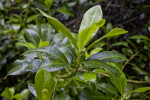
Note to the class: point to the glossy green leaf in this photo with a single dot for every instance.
(114, 32)
(119, 82)
(109, 56)
(89, 77)
(32, 89)
(28, 45)
(44, 80)
(142, 89)
(90, 94)
(53, 66)
(49, 51)
(107, 88)
(101, 64)
(59, 27)
(31, 36)
(85, 34)
(19, 67)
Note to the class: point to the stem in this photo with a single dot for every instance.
(130, 59)
(55, 89)
(103, 74)
(75, 71)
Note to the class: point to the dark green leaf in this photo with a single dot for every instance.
(109, 56)
(59, 27)
(32, 89)
(101, 64)
(143, 89)
(89, 94)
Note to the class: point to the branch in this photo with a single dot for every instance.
(103, 74)
(130, 59)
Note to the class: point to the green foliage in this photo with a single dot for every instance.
(44, 84)
(9, 93)
(69, 65)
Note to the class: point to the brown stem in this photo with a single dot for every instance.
(130, 59)
(128, 80)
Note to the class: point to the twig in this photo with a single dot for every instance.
(108, 5)
(132, 19)
(128, 80)
(55, 88)
(130, 59)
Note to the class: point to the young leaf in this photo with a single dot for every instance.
(109, 56)
(59, 27)
(28, 45)
(85, 34)
(114, 32)
(92, 16)
(44, 80)
(45, 94)
(96, 50)
(6, 93)
(89, 77)
(143, 89)
(43, 44)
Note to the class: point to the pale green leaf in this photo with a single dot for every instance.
(93, 15)
(89, 77)
(85, 34)
(109, 56)
(96, 50)
(43, 44)
(28, 45)
(44, 80)
(114, 32)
